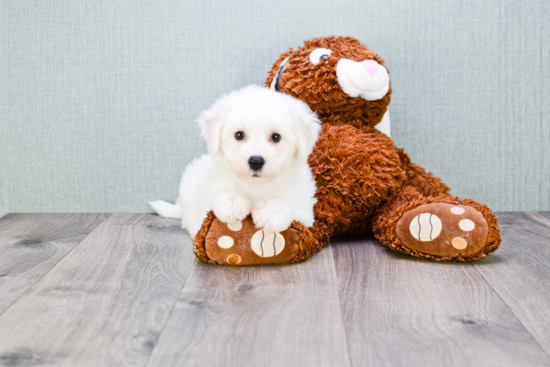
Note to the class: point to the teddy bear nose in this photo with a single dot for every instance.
(256, 163)
(370, 66)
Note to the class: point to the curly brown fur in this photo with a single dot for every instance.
(356, 170)
(200, 238)
(424, 182)
(308, 244)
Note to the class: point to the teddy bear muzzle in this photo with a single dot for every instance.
(366, 79)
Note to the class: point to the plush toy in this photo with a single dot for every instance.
(364, 182)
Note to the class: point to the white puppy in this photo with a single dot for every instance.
(259, 141)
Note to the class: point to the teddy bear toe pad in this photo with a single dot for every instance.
(442, 229)
(241, 243)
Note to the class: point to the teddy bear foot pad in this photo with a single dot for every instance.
(443, 230)
(241, 243)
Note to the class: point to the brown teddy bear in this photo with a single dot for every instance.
(364, 182)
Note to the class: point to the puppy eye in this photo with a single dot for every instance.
(319, 54)
(275, 138)
(239, 135)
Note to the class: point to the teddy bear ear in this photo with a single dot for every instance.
(211, 125)
(276, 82)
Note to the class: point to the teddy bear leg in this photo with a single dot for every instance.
(441, 227)
(241, 243)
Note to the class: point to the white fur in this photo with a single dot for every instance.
(223, 182)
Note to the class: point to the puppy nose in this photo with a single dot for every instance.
(256, 163)
(370, 66)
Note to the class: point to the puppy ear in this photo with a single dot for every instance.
(308, 126)
(211, 125)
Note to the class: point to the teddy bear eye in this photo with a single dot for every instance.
(275, 138)
(239, 135)
(319, 53)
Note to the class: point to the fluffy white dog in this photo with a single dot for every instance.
(259, 141)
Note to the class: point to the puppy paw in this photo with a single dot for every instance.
(232, 208)
(272, 219)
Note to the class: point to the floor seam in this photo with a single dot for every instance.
(511, 310)
(340, 304)
(61, 259)
(170, 314)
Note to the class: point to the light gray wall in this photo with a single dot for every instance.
(98, 98)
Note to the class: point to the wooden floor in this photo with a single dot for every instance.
(126, 289)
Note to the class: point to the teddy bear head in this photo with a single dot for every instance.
(338, 77)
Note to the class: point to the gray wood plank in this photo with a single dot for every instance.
(520, 270)
(106, 302)
(402, 311)
(285, 315)
(32, 244)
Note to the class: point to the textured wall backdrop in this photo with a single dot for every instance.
(98, 98)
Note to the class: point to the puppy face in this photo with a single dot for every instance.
(259, 133)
